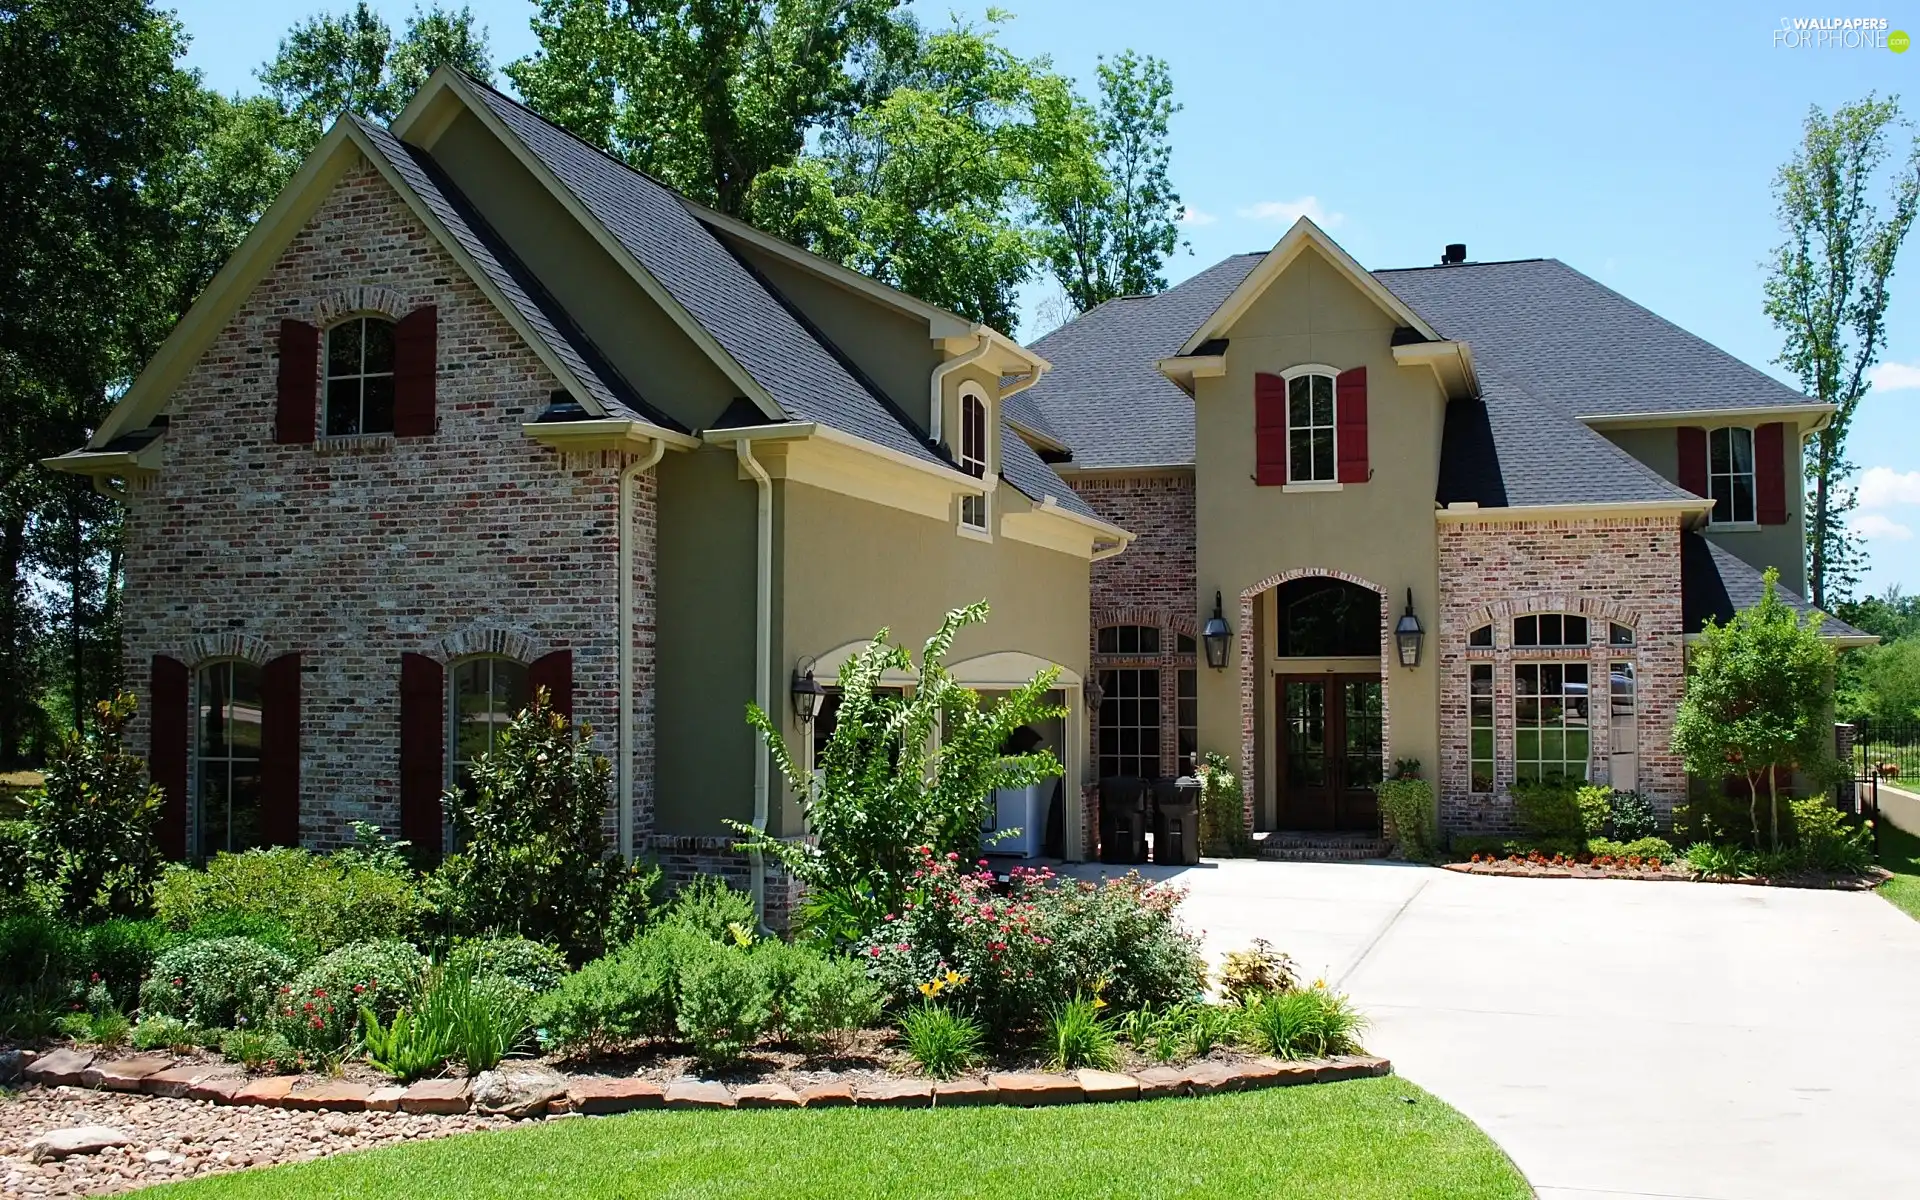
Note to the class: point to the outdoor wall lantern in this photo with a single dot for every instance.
(1407, 634)
(1217, 635)
(808, 695)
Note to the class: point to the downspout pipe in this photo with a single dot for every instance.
(629, 481)
(937, 387)
(762, 660)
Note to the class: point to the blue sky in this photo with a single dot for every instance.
(1636, 142)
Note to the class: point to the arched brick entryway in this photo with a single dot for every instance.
(1250, 670)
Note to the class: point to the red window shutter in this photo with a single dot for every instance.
(1770, 473)
(554, 672)
(1270, 430)
(415, 372)
(280, 751)
(422, 750)
(1350, 424)
(1693, 459)
(294, 414)
(167, 750)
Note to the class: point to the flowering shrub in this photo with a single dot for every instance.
(377, 975)
(318, 1024)
(215, 983)
(1020, 954)
(535, 967)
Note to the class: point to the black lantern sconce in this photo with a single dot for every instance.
(808, 695)
(1218, 635)
(1407, 635)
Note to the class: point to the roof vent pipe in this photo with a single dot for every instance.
(1454, 254)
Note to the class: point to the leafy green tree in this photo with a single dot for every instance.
(705, 95)
(1106, 212)
(328, 65)
(1828, 294)
(885, 788)
(1759, 694)
(91, 829)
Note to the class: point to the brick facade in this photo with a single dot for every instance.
(354, 551)
(1613, 570)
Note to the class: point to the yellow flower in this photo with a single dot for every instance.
(1099, 1003)
(926, 989)
(1320, 983)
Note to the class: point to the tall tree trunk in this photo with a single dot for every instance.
(1773, 803)
(15, 695)
(76, 589)
(1823, 475)
(1753, 806)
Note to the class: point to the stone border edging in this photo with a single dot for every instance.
(161, 1075)
(1873, 878)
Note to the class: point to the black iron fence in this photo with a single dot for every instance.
(1888, 751)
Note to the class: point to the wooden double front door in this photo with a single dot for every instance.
(1329, 747)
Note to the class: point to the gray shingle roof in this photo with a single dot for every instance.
(1715, 582)
(1565, 337)
(1104, 398)
(1510, 448)
(749, 320)
(1021, 466)
(549, 322)
(1021, 410)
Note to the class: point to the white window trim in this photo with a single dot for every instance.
(1753, 451)
(984, 531)
(1312, 485)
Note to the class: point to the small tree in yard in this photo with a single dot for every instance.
(534, 858)
(886, 788)
(90, 830)
(1759, 691)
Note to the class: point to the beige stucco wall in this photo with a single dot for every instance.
(1381, 532)
(622, 320)
(848, 568)
(1782, 546)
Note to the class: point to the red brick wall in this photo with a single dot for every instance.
(357, 550)
(1608, 569)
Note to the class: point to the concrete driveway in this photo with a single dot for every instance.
(1620, 1038)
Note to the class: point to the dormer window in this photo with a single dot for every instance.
(973, 456)
(1730, 475)
(360, 388)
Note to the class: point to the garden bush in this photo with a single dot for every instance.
(1037, 946)
(1549, 811)
(323, 903)
(120, 953)
(943, 1042)
(21, 891)
(1633, 817)
(534, 967)
(629, 994)
(1824, 840)
(91, 828)
(165, 1033)
(260, 1050)
(405, 1047)
(1255, 971)
(723, 1002)
(1407, 805)
(710, 908)
(35, 948)
(534, 858)
(379, 975)
(829, 1000)
(1595, 802)
(260, 928)
(1223, 815)
(485, 1015)
(106, 1027)
(1305, 1023)
(217, 982)
(1642, 848)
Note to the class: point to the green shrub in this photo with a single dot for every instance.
(91, 829)
(165, 1033)
(708, 906)
(1709, 861)
(263, 929)
(723, 1002)
(943, 1042)
(260, 1050)
(829, 1000)
(484, 1016)
(36, 948)
(1223, 814)
(1078, 1037)
(1306, 1023)
(1549, 810)
(377, 975)
(22, 893)
(635, 902)
(1595, 802)
(324, 903)
(532, 966)
(217, 982)
(406, 1047)
(121, 953)
(630, 994)
(373, 849)
(1407, 805)
(1826, 841)
(32, 1011)
(778, 966)
(534, 858)
(105, 1028)
(1245, 974)
(1633, 817)
(1646, 847)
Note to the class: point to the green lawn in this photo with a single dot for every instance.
(1900, 853)
(1352, 1140)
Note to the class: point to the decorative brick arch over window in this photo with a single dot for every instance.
(1500, 613)
(488, 640)
(368, 300)
(210, 646)
(1249, 669)
(1175, 680)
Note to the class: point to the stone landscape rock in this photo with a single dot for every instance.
(766, 1095)
(439, 1096)
(1205, 1078)
(954, 1093)
(895, 1093)
(698, 1093)
(1031, 1090)
(337, 1095)
(65, 1143)
(1107, 1085)
(124, 1074)
(1158, 1082)
(13, 1063)
(517, 1089)
(385, 1099)
(593, 1096)
(835, 1093)
(59, 1067)
(270, 1089)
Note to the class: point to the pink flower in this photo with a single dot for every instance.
(873, 951)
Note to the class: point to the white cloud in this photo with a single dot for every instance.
(1286, 212)
(1875, 525)
(1194, 216)
(1895, 377)
(1884, 487)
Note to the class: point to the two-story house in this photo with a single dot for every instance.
(1467, 514)
(477, 409)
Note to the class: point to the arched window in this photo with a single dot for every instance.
(360, 377)
(1481, 637)
(227, 757)
(1549, 631)
(1328, 618)
(973, 456)
(1129, 640)
(488, 692)
(1310, 429)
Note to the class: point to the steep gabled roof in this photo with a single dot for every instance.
(1021, 466)
(751, 323)
(1567, 338)
(1105, 398)
(1716, 583)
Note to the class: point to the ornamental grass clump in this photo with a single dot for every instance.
(1078, 1036)
(943, 1042)
(1305, 1023)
